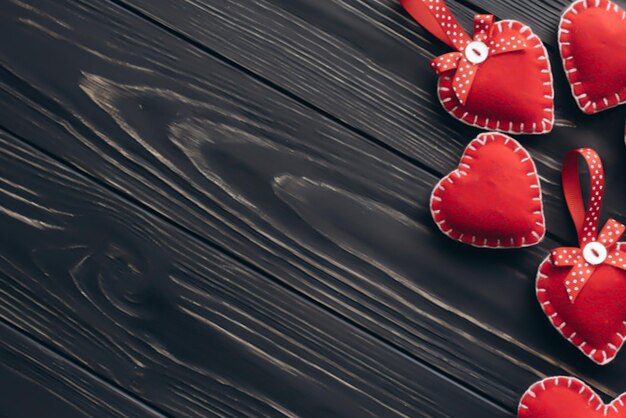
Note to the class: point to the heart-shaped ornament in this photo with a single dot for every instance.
(582, 289)
(493, 198)
(595, 322)
(498, 80)
(591, 40)
(567, 397)
(511, 92)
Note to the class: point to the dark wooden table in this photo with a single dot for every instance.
(220, 208)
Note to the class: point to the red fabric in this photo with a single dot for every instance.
(594, 322)
(585, 220)
(591, 39)
(567, 397)
(581, 271)
(493, 199)
(430, 14)
(583, 300)
(510, 91)
(492, 43)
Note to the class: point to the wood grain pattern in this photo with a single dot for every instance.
(311, 165)
(178, 324)
(132, 123)
(36, 382)
(542, 15)
(351, 51)
(365, 62)
(288, 192)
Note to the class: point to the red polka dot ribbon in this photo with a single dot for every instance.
(595, 249)
(435, 17)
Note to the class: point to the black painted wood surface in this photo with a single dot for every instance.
(219, 208)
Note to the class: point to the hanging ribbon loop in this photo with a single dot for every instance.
(585, 220)
(436, 18)
(594, 249)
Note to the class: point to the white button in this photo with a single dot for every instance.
(594, 253)
(476, 52)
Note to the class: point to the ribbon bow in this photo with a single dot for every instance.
(435, 16)
(595, 250)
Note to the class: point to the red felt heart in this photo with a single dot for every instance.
(511, 92)
(591, 40)
(493, 199)
(595, 323)
(567, 397)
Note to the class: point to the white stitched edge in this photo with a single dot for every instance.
(481, 140)
(534, 130)
(538, 387)
(555, 316)
(564, 27)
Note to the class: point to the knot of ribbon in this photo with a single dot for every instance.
(594, 249)
(435, 17)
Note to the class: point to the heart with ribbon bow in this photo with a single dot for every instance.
(500, 80)
(567, 397)
(582, 289)
(591, 41)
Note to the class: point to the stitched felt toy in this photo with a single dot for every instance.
(498, 80)
(591, 40)
(493, 198)
(583, 289)
(567, 397)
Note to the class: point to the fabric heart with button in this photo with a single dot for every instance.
(582, 289)
(591, 41)
(499, 80)
(567, 397)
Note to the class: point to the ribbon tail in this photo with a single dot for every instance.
(578, 277)
(446, 62)
(616, 259)
(503, 44)
(437, 19)
(564, 256)
(463, 80)
(611, 233)
(483, 26)
(579, 273)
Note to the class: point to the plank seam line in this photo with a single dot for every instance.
(100, 379)
(475, 8)
(268, 83)
(481, 10)
(242, 261)
(281, 90)
(263, 274)
(262, 80)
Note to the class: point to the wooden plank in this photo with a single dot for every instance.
(291, 193)
(541, 15)
(178, 324)
(365, 63)
(36, 382)
(353, 52)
